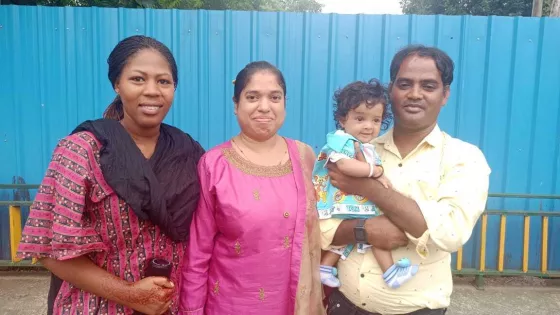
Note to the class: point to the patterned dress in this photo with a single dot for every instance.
(333, 202)
(77, 213)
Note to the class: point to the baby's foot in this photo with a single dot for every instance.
(328, 276)
(396, 276)
(403, 263)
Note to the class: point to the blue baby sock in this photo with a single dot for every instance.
(399, 273)
(328, 276)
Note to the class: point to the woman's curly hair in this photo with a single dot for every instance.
(358, 92)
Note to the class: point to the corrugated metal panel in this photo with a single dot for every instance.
(505, 98)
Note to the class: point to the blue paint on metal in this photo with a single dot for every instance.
(505, 96)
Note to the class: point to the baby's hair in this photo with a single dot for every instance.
(352, 95)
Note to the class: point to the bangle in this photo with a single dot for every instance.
(371, 170)
(382, 171)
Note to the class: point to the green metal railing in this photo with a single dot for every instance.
(504, 214)
(14, 209)
(16, 227)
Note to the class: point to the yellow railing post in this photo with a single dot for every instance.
(460, 259)
(15, 230)
(527, 221)
(501, 249)
(544, 248)
(483, 228)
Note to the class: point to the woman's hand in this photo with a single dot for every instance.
(151, 295)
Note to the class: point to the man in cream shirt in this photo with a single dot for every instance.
(440, 188)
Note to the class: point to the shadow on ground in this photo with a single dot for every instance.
(25, 293)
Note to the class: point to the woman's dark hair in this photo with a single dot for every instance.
(356, 93)
(119, 57)
(244, 76)
(444, 63)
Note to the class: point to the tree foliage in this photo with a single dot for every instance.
(555, 8)
(473, 7)
(265, 5)
(244, 5)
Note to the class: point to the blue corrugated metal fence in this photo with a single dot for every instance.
(505, 98)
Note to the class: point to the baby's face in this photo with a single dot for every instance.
(364, 122)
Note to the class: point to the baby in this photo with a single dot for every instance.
(360, 110)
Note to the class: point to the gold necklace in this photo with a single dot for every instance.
(245, 156)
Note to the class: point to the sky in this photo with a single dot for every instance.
(361, 6)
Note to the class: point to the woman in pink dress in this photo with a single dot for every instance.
(254, 242)
(118, 193)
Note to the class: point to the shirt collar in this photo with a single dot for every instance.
(434, 138)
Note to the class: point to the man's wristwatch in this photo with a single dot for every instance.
(360, 232)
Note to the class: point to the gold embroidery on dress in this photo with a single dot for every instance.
(261, 294)
(237, 247)
(286, 242)
(216, 288)
(253, 169)
(302, 289)
(256, 194)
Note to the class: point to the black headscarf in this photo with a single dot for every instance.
(164, 188)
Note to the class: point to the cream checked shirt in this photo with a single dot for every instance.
(449, 179)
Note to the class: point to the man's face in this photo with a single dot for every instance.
(417, 94)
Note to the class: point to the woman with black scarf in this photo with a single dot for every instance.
(119, 192)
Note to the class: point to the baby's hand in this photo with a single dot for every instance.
(385, 182)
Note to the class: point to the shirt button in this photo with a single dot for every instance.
(400, 164)
(286, 214)
(362, 275)
(363, 304)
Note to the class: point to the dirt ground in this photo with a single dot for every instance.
(25, 293)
